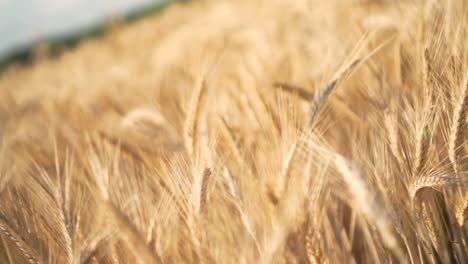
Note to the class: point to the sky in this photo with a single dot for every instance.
(26, 21)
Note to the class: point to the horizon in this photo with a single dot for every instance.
(24, 23)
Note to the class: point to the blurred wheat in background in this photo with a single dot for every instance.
(244, 131)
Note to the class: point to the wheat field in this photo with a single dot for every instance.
(248, 131)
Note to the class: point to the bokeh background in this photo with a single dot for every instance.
(24, 23)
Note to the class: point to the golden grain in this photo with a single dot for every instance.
(125, 149)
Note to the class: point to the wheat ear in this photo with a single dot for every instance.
(392, 132)
(430, 182)
(281, 183)
(19, 242)
(322, 95)
(316, 105)
(426, 64)
(312, 252)
(204, 190)
(430, 224)
(367, 203)
(462, 210)
(458, 124)
(422, 148)
(301, 92)
(133, 237)
(191, 122)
